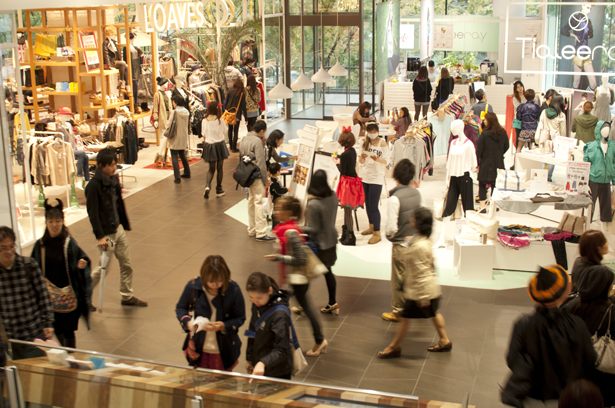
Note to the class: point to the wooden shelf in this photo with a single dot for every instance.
(97, 72)
(58, 93)
(99, 107)
(41, 28)
(51, 64)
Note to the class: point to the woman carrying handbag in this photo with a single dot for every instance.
(234, 108)
(252, 100)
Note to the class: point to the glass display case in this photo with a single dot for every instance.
(91, 379)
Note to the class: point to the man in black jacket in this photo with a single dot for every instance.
(548, 349)
(109, 222)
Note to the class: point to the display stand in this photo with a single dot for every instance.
(473, 260)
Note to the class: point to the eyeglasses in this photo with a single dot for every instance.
(10, 248)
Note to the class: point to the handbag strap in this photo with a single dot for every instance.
(608, 329)
(239, 102)
(252, 334)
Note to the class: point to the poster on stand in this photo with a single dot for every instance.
(387, 39)
(87, 39)
(577, 177)
(444, 36)
(302, 171)
(539, 181)
(324, 161)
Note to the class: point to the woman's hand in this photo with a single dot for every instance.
(425, 303)
(293, 157)
(249, 367)
(259, 369)
(214, 326)
(82, 264)
(271, 257)
(190, 326)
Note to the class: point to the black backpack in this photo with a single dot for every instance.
(245, 173)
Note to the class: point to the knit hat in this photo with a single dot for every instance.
(595, 283)
(161, 81)
(548, 285)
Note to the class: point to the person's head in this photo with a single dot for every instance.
(364, 108)
(432, 66)
(7, 246)
(492, 122)
(213, 109)
(587, 107)
(550, 286)
(238, 86)
(423, 73)
(106, 160)
(319, 186)
(132, 35)
(422, 221)
(260, 287)
(110, 31)
(372, 132)
(249, 61)
(584, 96)
(180, 79)
(549, 95)
(581, 394)
(403, 172)
(518, 90)
(230, 63)
(529, 95)
(595, 283)
(260, 128)
(444, 74)
(593, 245)
(251, 83)
(404, 113)
(346, 139)
(557, 103)
(215, 274)
(275, 169)
(54, 219)
(177, 100)
(287, 208)
(194, 68)
(586, 8)
(275, 139)
(481, 95)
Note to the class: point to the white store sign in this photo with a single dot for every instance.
(406, 34)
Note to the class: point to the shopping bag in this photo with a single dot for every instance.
(572, 223)
(510, 180)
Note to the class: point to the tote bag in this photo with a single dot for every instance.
(605, 347)
(511, 180)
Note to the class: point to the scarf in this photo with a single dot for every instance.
(280, 232)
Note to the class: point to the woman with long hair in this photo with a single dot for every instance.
(492, 144)
(253, 98)
(422, 93)
(320, 215)
(236, 99)
(274, 141)
(218, 312)
(518, 99)
(445, 86)
(375, 155)
(593, 245)
(402, 123)
(64, 265)
(361, 116)
(214, 147)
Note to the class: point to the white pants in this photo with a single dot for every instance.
(257, 224)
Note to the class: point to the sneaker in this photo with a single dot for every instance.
(134, 301)
(219, 192)
(265, 238)
(390, 317)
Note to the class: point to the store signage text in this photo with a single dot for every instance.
(568, 51)
(183, 14)
(471, 34)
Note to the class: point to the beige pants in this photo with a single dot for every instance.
(399, 266)
(122, 253)
(257, 224)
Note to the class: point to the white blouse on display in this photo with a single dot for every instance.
(461, 158)
(213, 130)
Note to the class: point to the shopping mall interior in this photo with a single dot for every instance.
(70, 85)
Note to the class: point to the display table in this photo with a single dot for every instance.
(534, 160)
(473, 260)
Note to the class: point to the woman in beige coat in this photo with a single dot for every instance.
(421, 288)
(160, 113)
(178, 137)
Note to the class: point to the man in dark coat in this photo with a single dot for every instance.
(548, 349)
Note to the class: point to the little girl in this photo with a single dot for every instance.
(349, 190)
(269, 351)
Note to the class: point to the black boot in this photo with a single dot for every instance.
(350, 239)
(344, 233)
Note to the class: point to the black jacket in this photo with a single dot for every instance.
(276, 190)
(490, 154)
(548, 350)
(422, 90)
(233, 100)
(445, 88)
(348, 163)
(99, 201)
(271, 345)
(230, 310)
(110, 52)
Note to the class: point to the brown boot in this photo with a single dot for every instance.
(368, 231)
(375, 238)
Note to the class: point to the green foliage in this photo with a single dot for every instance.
(455, 7)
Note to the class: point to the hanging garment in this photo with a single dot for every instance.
(603, 101)
(60, 163)
(413, 150)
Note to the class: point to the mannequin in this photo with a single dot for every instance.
(160, 112)
(111, 55)
(601, 154)
(604, 98)
(180, 82)
(461, 161)
(135, 63)
(64, 126)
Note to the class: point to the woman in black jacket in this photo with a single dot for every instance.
(593, 245)
(591, 305)
(421, 87)
(236, 102)
(492, 144)
(445, 86)
(212, 341)
(64, 265)
(269, 351)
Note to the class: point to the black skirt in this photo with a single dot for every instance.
(215, 151)
(413, 309)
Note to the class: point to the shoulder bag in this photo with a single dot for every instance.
(230, 115)
(572, 223)
(604, 346)
(299, 361)
(171, 130)
(63, 300)
(193, 356)
(313, 267)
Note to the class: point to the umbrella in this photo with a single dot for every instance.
(104, 261)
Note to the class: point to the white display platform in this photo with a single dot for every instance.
(473, 260)
(528, 258)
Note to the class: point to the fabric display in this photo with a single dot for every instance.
(52, 162)
(249, 49)
(45, 45)
(456, 107)
(167, 67)
(572, 223)
(417, 146)
(601, 192)
(512, 240)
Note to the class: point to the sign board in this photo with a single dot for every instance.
(324, 161)
(444, 37)
(406, 36)
(387, 39)
(302, 171)
(427, 27)
(539, 181)
(88, 40)
(563, 145)
(469, 35)
(577, 177)
(185, 14)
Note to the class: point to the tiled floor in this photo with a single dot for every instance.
(174, 229)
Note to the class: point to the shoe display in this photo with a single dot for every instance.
(331, 309)
(134, 301)
(390, 317)
(317, 349)
(394, 353)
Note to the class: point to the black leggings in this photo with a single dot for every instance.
(417, 113)
(233, 135)
(300, 292)
(213, 166)
(482, 189)
(348, 218)
(331, 286)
